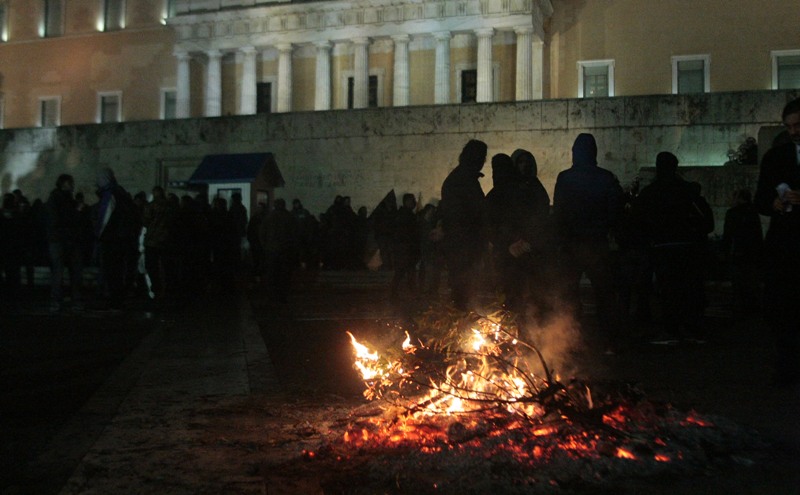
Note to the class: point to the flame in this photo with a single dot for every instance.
(625, 454)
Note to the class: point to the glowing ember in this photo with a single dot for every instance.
(467, 394)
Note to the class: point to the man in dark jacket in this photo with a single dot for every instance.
(587, 206)
(463, 222)
(159, 218)
(278, 235)
(117, 230)
(778, 197)
(406, 245)
(676, 220)
(64, 236)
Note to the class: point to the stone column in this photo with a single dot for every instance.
(182, 92)
(360, 72)
(322, 86)
(441, 93)
(524, 82)
(247, 95)
(537, 92)
(400, 90)
(284, 77)
(485, 90)
(214, 84)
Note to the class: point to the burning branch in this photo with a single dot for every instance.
(465, 364)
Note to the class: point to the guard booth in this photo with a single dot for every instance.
(254, 175)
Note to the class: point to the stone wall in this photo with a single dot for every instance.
(367, 153)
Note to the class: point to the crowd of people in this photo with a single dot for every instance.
(636, 247)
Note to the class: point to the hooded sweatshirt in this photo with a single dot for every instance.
(587, 201)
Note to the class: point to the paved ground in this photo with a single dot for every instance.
(204, 399)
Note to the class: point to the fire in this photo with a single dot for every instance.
(485, 367)
(478, 388)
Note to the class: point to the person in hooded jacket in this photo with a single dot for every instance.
(464, 222)
(587, 206)
(540, 270)
(510, 210)
(676, 220)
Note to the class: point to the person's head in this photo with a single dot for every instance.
(409, 201)
(666, 165)
(742, 197)
(158, 193)
(791, 119)
(525, 163)
(105, 178)
(503, 169)
(236, 198)
(279, 204)
(65, 182)
(296, 204)
(473, 155)
(584, 151)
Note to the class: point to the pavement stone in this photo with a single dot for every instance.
(202, 404)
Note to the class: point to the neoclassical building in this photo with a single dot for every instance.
(67, 62)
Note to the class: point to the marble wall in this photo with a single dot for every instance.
(367, 153)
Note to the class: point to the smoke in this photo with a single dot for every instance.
(558, 339)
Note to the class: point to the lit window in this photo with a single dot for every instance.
(49, 111)
(109, 107)
(169, 104)
(53, 18)
(690, 74)
(595, 78)
(786, 69)
(114, 15)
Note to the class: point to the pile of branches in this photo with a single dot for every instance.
(479, 360)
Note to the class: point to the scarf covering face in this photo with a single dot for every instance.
(584, 151)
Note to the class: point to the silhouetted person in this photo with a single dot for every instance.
(743, 245)
(677, 220)
(63, 236)
(256, 249)
(464, 223)
(587, 204)
(238, 216)
(778, 196)
(224, 242)
(279, 238)
(116, 230)
(634, 269)
(159, 218)
(432, 259)
(11, 244)
(406, 246)
(540, 267)
(307, 236)
(510, 210)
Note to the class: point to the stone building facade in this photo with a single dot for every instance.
(360, 97)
